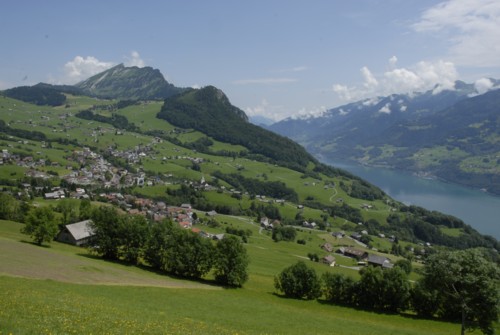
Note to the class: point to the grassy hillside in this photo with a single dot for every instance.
(62, 289)
(45, 290)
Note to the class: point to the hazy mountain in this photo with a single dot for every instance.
(135, 83)
(450, 134)
(260, 120)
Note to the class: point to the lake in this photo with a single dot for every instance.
(476, 208)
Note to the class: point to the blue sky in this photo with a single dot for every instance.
(272, 58)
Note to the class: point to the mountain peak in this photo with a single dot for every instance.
(122, 82)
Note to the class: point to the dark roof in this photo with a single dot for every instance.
(379, 260)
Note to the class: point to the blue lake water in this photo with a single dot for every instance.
(476, 208)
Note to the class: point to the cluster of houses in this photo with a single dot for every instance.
(362, 257)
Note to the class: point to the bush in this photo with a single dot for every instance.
(298, 281)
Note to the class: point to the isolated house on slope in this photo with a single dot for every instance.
(79, 233)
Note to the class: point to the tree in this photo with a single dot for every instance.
(298, 281)
(384, 290)
(466, 288)
(231, 262)
(133, 237)
(184, 253)
(68, 210)
(284, 234)
(8, 206)
(404, 264)
(338, 288)
(41, 225)
(85, 209)
(107, 226)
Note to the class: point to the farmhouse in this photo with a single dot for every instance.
(80, 233)
(327, 247)
(376, 260)
(353, 253)
(328, 260)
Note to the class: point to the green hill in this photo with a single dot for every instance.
(209, 111)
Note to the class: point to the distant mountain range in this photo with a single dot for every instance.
(451, 134)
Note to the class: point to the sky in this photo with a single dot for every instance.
(273, 58)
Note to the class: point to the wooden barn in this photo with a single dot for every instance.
(79, 233)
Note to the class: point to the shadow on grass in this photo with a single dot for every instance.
(46, 246)
(147, 268)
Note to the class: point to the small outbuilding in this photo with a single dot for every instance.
(79, 233)
(328, 260)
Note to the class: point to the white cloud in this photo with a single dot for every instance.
(81, 68)
(135, 60)
(342, 112)
(264, 108)
(196, 86)
(293, 69)
(386, 109)
(403, 108)
(483, 85)
(310, 113)
(370, 81)
(423, 76)
(471, 26)
(265, 81)
(392, 62)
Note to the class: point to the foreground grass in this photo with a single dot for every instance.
(43, 307)
(60, 290)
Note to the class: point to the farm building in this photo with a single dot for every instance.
(328, 260)
(79, 233)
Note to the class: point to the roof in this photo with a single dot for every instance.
(379, 260)
(329, 259)
(352, 251)
(80, 230)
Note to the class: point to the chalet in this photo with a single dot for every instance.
(54, 195)
(328, 260)
(381, 261)
(211, 213)
(79, 233)
(353, 253)
(276, 223)
(264, 223)
(327, 247)
(338, 234)
(356, 236)
(218, 237)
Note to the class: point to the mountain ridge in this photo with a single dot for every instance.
(407, 132)
(121, 82)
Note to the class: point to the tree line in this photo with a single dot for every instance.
(460, 286)
(168, 248)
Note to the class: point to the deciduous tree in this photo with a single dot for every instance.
(231, 262)
(298, 281)
(41, 225)
(466, 288)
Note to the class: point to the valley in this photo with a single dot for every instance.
(194, 164)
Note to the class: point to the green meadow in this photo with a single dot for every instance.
(64, 290)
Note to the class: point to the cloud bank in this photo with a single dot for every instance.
(135, 60)
(471, 26)
(439, 75)
(81, 68)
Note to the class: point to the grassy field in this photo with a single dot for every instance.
(62, 290)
